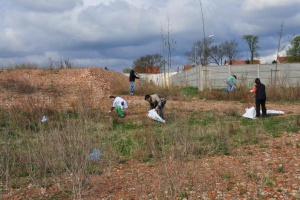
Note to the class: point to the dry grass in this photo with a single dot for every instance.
(55, 154)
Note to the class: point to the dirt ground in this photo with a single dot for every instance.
(196, 178)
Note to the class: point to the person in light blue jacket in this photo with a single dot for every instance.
(231, 83)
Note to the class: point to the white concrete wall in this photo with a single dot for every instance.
(215, 76)
(157, 79)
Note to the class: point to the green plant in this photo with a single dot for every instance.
(230, 185)
(225, 176)
(184, 195)
(267, 181)
(280, 169)
(190, 91)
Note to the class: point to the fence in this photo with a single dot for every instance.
(157, 79)
(214, 77)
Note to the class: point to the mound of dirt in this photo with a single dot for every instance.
(59, 89)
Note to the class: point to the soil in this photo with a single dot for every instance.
(251, 172)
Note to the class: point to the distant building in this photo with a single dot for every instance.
(242, 62)
(187, 67)
(152, 70)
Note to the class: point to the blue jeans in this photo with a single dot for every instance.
(230, 86)
(132, 87)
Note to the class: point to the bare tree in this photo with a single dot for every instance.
(163, 67)
(217, 53)
(230, 50)
(196, 54)
(205, 53)
(169, 43)
(68, 64)
(280, 47)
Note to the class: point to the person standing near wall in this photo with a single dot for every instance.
(260, 97)
(132, 77)
(156, 102)
(119, 104)
(231, 83)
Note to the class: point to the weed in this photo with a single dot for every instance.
(267, 181)
(184, 195)
(124, 146)
(225, 176)
(230, 185)
(278, 147)
(23, 174)
(263, 146)
(242, 191)
(93, 168)
(280, 169)
(190, 91)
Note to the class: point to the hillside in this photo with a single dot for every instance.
(59, 89)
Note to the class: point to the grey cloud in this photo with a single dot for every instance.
(46, 5)
(117, 32)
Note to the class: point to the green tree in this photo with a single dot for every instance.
(126, 70)
(294, 49)
(253, 44)
(141, 63)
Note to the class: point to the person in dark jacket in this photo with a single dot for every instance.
(260, 97)
(132, 77)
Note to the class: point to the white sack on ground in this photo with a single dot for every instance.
(251, 113)
(276, 112)
(153, 115)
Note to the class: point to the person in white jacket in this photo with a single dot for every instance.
(119, 104)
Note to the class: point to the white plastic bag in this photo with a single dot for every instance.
(278, 112)
(250, 113)
(45, 118)
(153, 115)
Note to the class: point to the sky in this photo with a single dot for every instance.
(114, 33)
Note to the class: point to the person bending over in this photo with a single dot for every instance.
(119, 104)
(231, 83)
(156, 102)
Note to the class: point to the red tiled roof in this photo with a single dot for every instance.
(241, 62)
(152, 70)
(187, 67)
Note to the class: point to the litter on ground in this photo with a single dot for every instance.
(95, 155)
(251, 113)
(45, 118)
(153, 115)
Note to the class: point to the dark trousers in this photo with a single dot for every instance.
(160, 108)
(260, 103)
